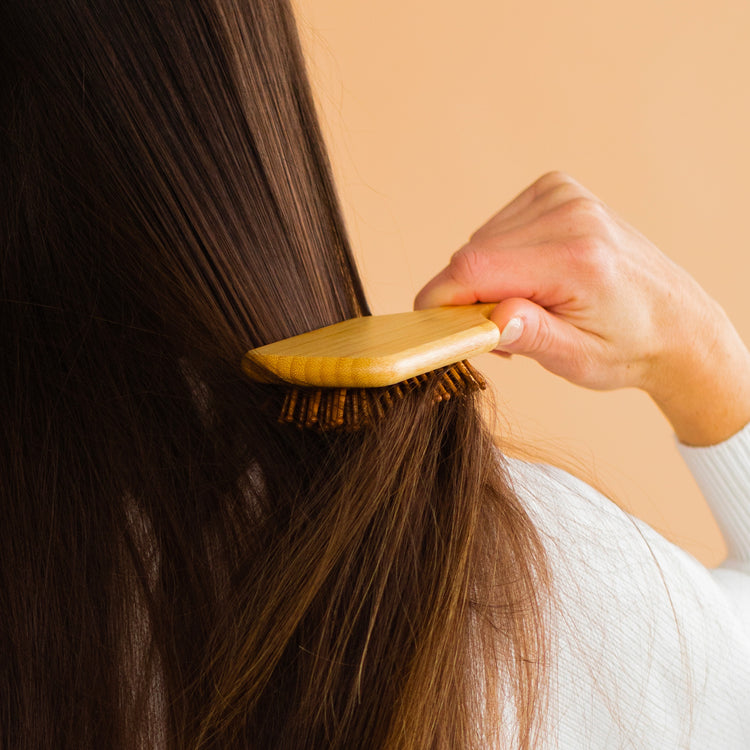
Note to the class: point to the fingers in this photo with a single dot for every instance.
(575, 288)
(525, 328)
(490, 273)
(549, 191)
(529, 329)
(524, 250)
(545, 204)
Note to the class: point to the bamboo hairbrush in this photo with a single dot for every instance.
(346, 374)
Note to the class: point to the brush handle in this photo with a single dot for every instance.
(377, 350)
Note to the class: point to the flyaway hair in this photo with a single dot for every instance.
(177, 569)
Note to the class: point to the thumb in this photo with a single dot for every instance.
(528, 329)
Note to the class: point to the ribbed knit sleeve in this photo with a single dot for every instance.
(722, 472)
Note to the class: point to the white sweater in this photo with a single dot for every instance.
(650, 648)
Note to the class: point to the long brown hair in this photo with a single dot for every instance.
(177, 569)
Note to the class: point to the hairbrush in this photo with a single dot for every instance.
(345, 375)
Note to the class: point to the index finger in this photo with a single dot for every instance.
(474, 275)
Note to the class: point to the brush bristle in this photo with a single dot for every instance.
(350, 409)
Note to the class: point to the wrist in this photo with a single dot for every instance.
(702, 386)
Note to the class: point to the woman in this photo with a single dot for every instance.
(178, 569)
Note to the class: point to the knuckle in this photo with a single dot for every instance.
(581, 205)
(585, 213)
(542, 338)
(591, 258)
(563, 193)
(467, 263)
(553, 179)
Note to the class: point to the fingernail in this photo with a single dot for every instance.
(512, 332)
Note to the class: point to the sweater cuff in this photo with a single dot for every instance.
(722, 473)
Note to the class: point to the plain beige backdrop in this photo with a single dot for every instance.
(437, 113)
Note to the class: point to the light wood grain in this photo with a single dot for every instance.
(377, 350)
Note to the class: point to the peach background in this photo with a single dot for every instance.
(438, 113)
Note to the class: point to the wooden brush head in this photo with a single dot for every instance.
(376, 351)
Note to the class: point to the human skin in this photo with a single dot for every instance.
(592, 300)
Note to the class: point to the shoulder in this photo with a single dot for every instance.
(647, 641)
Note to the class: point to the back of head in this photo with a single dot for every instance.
(180, 570)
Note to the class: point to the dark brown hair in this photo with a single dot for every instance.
(177, 569)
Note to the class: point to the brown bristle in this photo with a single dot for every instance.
(440, 388)
(378, 407)
(301, 413)
(451, 380)
(365, 404)
(328, 409)
(287, 411)
(340, 406)
(313, 407)
(471, 375)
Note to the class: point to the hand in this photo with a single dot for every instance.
(597, 302)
